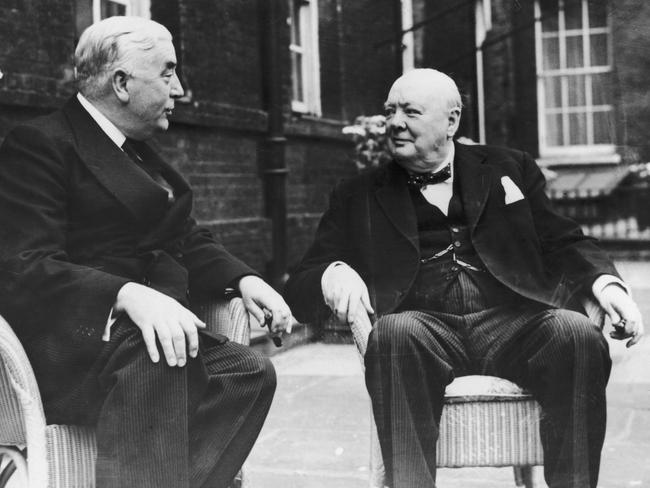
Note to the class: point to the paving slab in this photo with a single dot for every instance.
(317, 433)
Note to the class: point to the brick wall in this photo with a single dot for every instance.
(36, 45)
(449, 46)
(631, 45)
(215, 139)
(368, 55)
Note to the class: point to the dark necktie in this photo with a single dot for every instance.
(418, 180)
(130, 148)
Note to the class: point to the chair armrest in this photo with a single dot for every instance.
(229, 318)
(22, 420)
(20, 399)
(361, 327)
(594, 311)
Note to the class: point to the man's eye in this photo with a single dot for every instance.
(411, 111)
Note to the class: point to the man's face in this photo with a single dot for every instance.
(152, 86)
(419, 123)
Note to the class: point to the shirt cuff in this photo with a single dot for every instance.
(604, 280)
(109, 323)
(333, 265)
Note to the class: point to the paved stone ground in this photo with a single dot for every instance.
(317, 433)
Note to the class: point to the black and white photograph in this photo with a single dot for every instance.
(324, 243)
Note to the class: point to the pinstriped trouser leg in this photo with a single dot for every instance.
(179, 427)
(228, 419)
(410, 359)
(558, 354)
(563, 359)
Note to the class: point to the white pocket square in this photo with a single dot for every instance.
(513, 193)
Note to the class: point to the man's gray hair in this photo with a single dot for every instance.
(109, 44)
(444, 85)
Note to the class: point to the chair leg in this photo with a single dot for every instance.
(524, 476)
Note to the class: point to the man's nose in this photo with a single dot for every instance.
(396, 122)
(176, 89)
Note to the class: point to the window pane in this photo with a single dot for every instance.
(598, 47)
(576, 90)
(574, 54)
(549, 14)
(296, 38)
(601, 89)
(573, 14)
(551, 53)
(597, 13)
(603, 127)
(111, 9)
(296, 75)
(554, 129)
(578, 128)
(552, 92)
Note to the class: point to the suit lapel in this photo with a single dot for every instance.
(475, 180)
(393, 197)
(130, 184)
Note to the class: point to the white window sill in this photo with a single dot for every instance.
(579, 155)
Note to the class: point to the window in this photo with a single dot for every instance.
(109, 8)
(305, 63)
(574, 65)
(90, 11)
(408, 40)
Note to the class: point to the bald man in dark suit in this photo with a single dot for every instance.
(458, 255)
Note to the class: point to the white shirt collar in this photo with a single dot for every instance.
(106, 125)
(449, 160)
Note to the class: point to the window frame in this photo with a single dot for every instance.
(308, 49)
(591, 151)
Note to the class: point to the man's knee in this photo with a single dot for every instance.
(396, 332)
(267, 373)
(257, 370)
(573, 333)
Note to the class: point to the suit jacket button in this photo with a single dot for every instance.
(146, 281)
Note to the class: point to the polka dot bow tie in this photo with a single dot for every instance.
(419, 180)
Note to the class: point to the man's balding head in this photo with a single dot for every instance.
(423, 112)
(430, 83)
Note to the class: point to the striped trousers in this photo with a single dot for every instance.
(164, 427)
(559, 355)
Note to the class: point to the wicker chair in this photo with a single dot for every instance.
(64, 456)
(486, 421)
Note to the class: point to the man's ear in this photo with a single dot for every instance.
(454, 122)
(119, 80)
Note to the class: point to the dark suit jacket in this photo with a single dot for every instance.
(371, 225)
(78, 219)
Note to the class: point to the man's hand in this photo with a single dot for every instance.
(158, 315)
(621, 309)
(345, 293)
(259, 296)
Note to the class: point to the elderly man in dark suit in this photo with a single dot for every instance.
(98, 260)
(469, 270)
